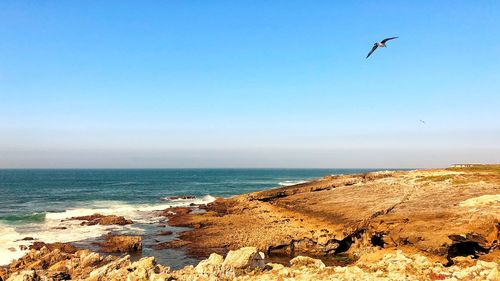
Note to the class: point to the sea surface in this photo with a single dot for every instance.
(37, 203)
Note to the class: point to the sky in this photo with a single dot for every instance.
(263, 84)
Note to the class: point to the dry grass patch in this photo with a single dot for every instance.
(494, 168)
(438, 178)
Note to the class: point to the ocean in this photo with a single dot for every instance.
(37, 203)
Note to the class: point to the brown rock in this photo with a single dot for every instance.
(103, 220)
(27, 275)
(121, 244)
(63, 247)
(60, 227)
(165, 233)
(176, 211)
(3, 274)
(307, 262)
(114, 220)
(242, 264)
(440, 213)
(247, 257)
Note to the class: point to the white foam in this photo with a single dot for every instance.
(290, 183)
(8, 236)
(49, 230)
(130, 211)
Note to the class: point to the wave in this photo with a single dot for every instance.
(189, 199)
(290, 183)
(132, 211)
(53, 227)
(122, 183)
(24, 218)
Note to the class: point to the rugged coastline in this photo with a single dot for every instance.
(441, 214)
(422, 225)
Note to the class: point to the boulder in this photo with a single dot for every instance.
(121, 244)
(244, 258)
(211, 266)
(307, 262)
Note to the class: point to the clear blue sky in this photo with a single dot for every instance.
(248, 83)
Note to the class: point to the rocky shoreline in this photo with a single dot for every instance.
(441, 214)
(403, 225)
(242, 264)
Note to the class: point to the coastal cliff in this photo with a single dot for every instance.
(392, 225)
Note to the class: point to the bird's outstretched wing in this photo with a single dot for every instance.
(387, 39)
(373, 50)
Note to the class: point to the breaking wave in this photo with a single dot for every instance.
(290, 183)
(24, 218)
(56, 227)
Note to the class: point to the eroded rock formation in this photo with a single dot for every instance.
(121, 244)
(243, 264)
(442, 214)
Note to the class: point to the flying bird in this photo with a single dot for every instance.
(380, 44)
(422, 121)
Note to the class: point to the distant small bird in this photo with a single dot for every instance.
(380, 44)
(422, 121)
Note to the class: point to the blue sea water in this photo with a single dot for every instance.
(37, 203)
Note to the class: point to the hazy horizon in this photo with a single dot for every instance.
(249, 84)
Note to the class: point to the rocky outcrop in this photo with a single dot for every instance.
(242, 264)
(442, 214)
(173, 212)
(121, 244)
(103, 220)
(63, 247)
